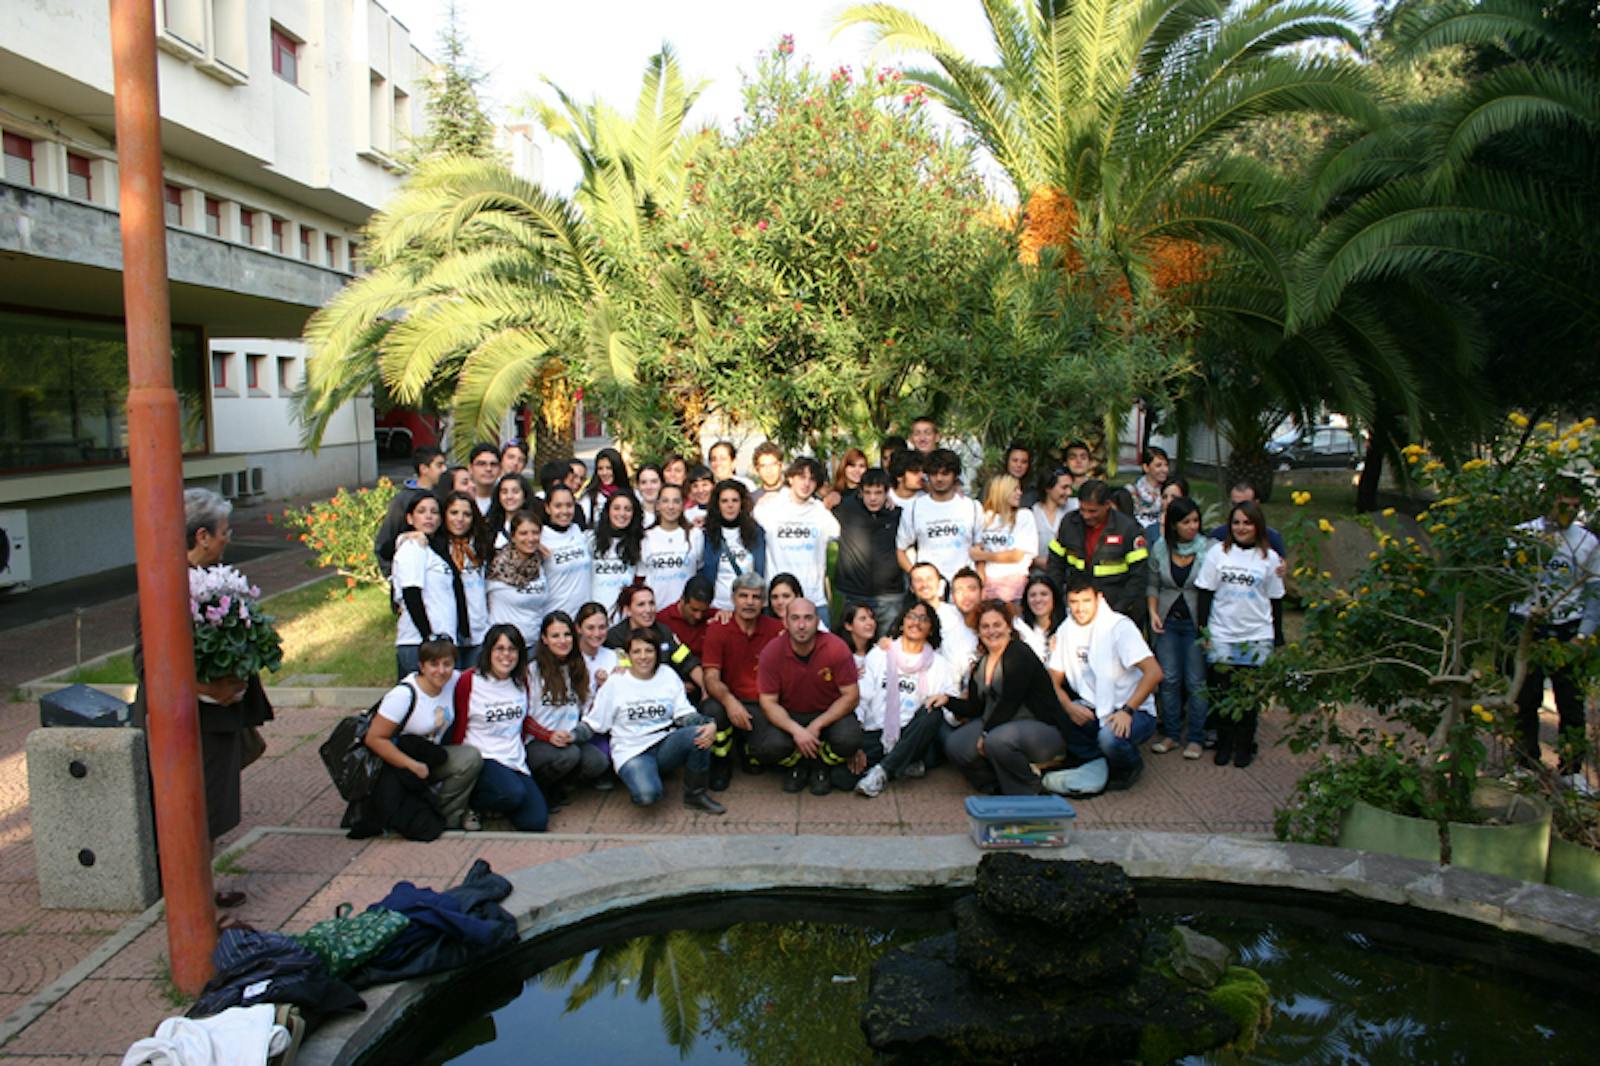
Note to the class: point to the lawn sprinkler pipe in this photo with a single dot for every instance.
(155, 463)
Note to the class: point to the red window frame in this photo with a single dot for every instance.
(285, 56)
(280, 236)
(213, 216)
(252, 371)
(79, 166)
(219, 370)
(330, 248)
(247, 225)
(305, 244)
(20, 147)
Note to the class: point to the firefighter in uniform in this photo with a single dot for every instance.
(1101, 541)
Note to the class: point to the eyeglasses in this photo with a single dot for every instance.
(920, 619)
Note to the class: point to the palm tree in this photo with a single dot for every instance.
(1109, 110)
(487, 290)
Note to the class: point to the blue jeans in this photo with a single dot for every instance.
(885, 608)
(1183, 666)
(516, 795)
(466, 656)
(405, 660)
(642, 773)
(1096, 741)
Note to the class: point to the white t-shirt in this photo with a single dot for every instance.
(494, 721)
(938, 680)
(1128, 649)
(483, 503)
(668, 558)
(941, 533)
(604, 659)
(418, 566)
(636, 713)
(567, 568)
(1569, 569)
(477, 596)
(522, 607)
(902, 502)
(1245, 583)
(1021, 535)
(608, 574)
(732, 544)
(958, 642)
(1044, 529)
(431, 715)
(1035, 639)
(797, 540)
(553, 716)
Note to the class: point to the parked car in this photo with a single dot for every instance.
(400, 430)
(1333, 447)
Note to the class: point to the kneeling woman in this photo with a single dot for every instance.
(492, 702)
(1010, 719)
(561, 693)
(903, 689)
(654, 728)
(423, 787)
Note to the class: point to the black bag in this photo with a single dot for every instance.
(352, 765)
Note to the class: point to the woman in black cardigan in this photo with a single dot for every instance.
(1010, 719)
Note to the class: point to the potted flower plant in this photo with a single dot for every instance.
(1409, 670)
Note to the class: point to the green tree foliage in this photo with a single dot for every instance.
(458, 124)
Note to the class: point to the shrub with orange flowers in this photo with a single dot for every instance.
(340, 531)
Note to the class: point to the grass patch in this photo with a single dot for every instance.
(169, 987)
(228, 863)
(349, 637)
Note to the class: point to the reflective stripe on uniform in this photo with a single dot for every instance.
(1055, 546)
(828, 755)
(723, 743)
(680, 653)
(1075, 562)
(1138, 555)
(1108, 569)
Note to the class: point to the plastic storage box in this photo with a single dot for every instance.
(1019, 821)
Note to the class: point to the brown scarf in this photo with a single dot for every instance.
(511, 567)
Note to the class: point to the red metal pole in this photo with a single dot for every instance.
(155, 460)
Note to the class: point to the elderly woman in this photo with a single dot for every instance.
(231, 708)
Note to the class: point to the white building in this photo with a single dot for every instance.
(281, 124)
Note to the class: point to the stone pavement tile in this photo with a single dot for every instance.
(759, 800)
(56, 1060)
(850, 829)
(147, 957)
(32, 960)
(17, 860)
(20, 912)
(925, 806)
(506, 856)
(410, 860)
(300, 853)
(946, 780)
(99, 1016)
(270, 899)
(839, 806)
(358, 891)
(325, 811)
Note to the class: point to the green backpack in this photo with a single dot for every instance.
(347, 941)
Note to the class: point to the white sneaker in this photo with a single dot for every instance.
(1579, 784)
(873, 783)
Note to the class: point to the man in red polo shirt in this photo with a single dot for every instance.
(732, 650)
(689, 616)
(808, 691)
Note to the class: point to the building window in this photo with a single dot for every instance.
(330, 248)
(252, 373)
(174, 197)
(219, 372)
(285, 56)
(213, 216)
(64, 388)
(247, 225)
(79, 182)
(280, 236)
(286, 375)
(19, 159)
(355, 256)
(380, 107)
(305, 244)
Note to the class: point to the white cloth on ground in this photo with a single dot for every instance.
(239, 1036)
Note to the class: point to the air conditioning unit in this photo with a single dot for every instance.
(16, 565)
(228, 486)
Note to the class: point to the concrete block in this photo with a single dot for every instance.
(93, 831)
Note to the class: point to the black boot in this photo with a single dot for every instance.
(1226, 728)
(1244, 741)
(721, 772)
(695, 796)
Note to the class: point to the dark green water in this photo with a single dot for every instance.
(780, 994)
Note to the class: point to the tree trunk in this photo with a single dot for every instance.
(550, 443)
(1254, 467)
(1371, 474)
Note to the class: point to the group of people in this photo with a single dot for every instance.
(615, 625)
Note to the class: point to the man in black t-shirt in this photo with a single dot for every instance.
(868, 570)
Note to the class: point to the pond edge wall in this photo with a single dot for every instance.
(564, 892)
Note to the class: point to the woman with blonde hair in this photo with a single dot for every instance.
(1008, 541)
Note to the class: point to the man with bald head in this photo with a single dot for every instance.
(807, 682)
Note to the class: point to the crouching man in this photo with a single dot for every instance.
(1106, 677)
(808, 693)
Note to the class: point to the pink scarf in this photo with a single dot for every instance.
(891, 707)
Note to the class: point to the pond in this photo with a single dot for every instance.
(776, 981)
